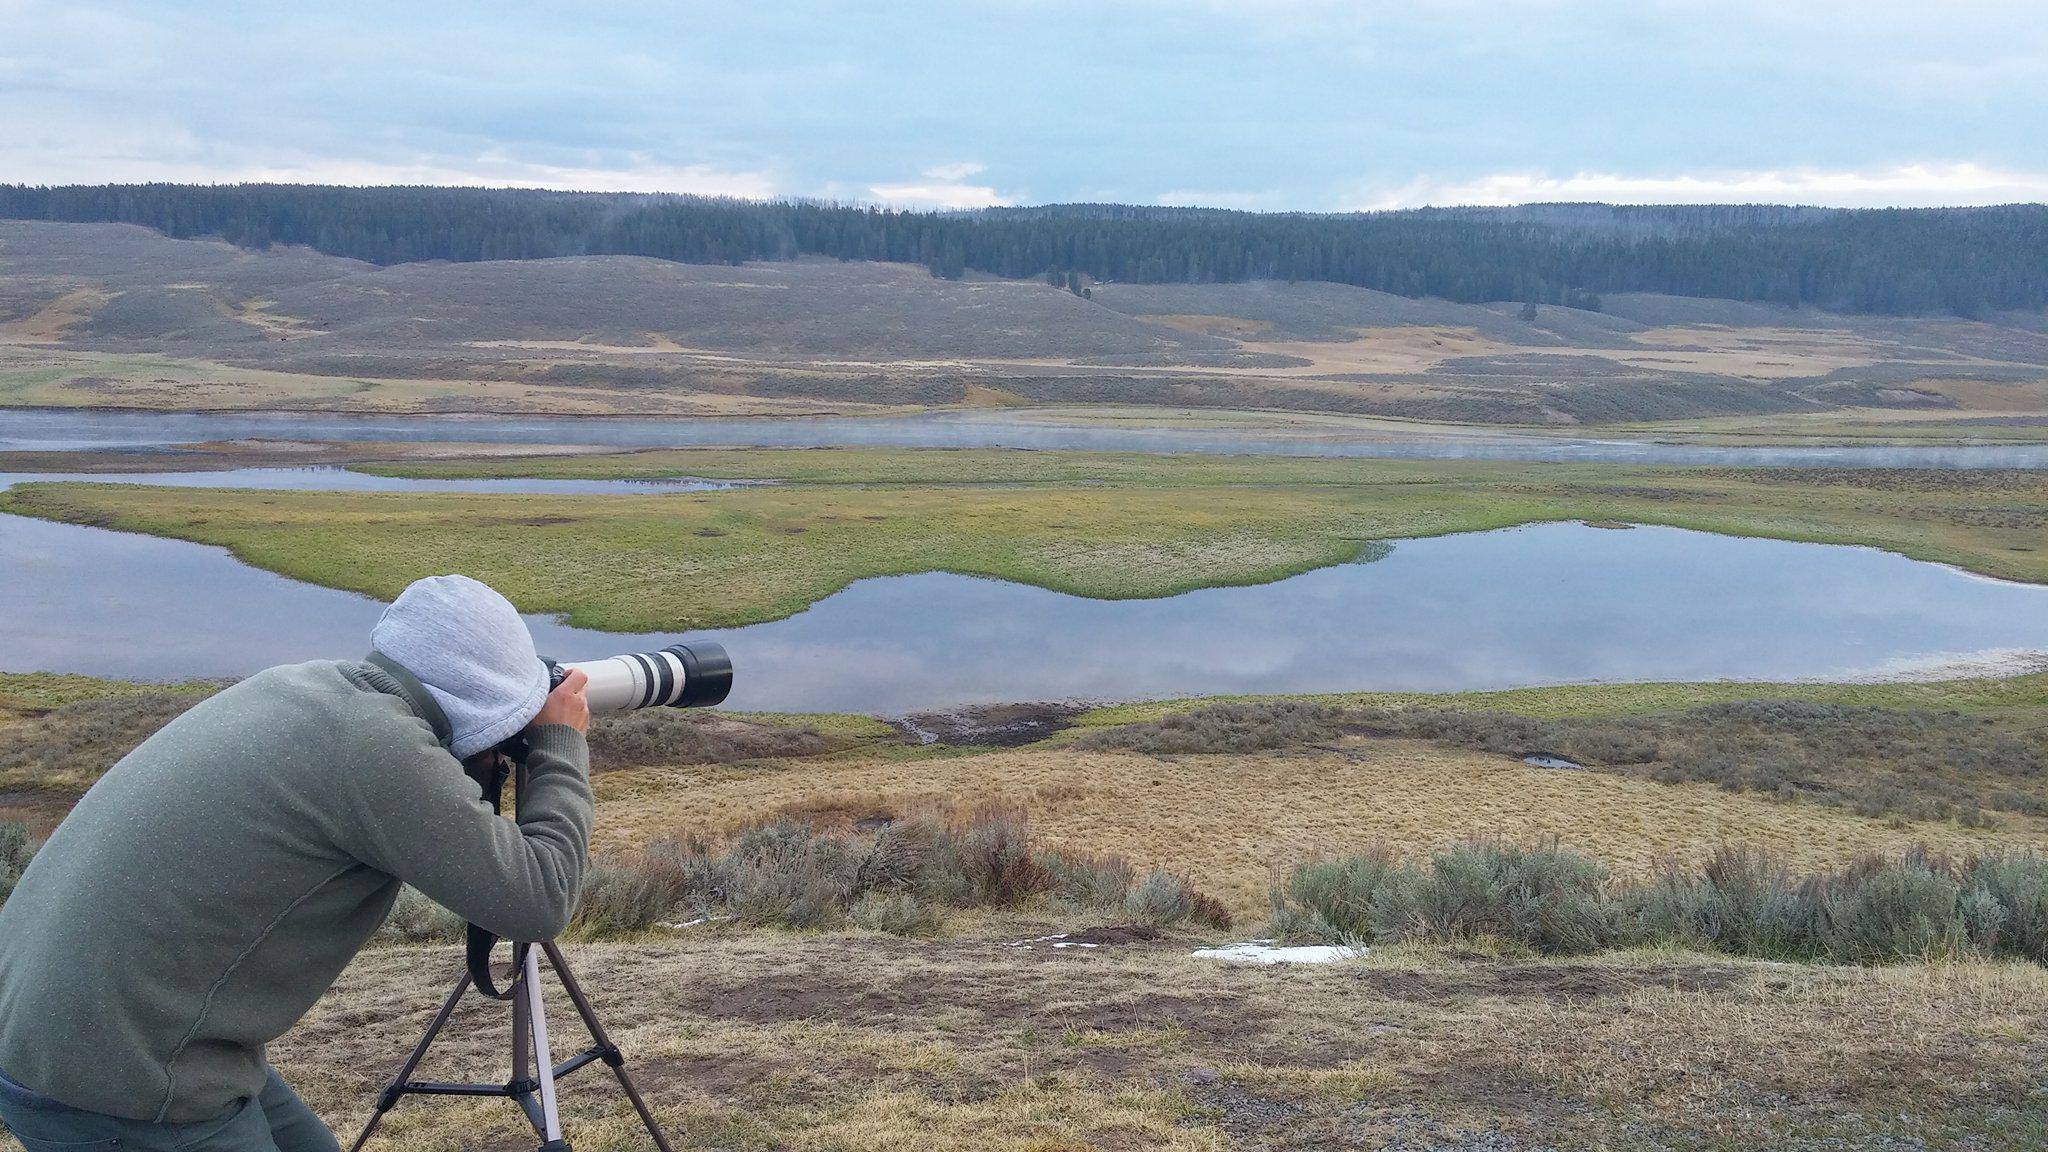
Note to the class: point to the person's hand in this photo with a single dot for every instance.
(567, 704)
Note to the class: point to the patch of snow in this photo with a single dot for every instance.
(1057, 940)
(1036, 940)
(697, 923)
(1550, 762)
(1271, 952)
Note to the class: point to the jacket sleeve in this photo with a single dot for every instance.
(420, 818)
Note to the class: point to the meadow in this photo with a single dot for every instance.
(878, 970)
(1100, 525)
(798, 1025)
(1237, 789)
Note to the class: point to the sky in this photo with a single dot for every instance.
(1297, 105)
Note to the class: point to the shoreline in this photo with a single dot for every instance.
(1107, 419)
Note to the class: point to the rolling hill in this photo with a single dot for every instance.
(119, 315)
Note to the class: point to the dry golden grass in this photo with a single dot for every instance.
(1756, 353)
(33, 373)
(56, 318)
(1226, 820)
(757, 1040)
(1784, 1030)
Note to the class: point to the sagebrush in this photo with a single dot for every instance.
(17, 848)
(1916, 905)
(899, 878)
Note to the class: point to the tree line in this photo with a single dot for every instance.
(1961, 261)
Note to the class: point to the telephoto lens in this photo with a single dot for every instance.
(679, 676)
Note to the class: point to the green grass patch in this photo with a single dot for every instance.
(2017, 694)
(33, 693)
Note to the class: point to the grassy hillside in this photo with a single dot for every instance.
(1095, 525)
(116, 315)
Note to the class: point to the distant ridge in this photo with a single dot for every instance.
(1960, 261)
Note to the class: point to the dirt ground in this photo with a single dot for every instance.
(758, 1040)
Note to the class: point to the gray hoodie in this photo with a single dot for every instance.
(207, 890)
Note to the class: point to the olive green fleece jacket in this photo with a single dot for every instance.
(207, 890)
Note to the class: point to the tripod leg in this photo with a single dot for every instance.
(521, 1084)
(394, 1090)
(612, 1057)
(543, 1058)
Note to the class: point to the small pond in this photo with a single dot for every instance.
(1542, 604)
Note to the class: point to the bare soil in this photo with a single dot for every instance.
(867, 1042)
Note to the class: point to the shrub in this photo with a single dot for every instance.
(15, 846)
(415, 919)
(1742, 901)
(2016, 884)
(1160, 898)
(1877, 911)
(896, 879)
(16, 850)
(1983, 918)
(904, 854)
(1097, 882)
(1340, 901)
(784, 873)
(620, 899)
(896, 913)
(1163, 899)
(1545, 898)
(992, 853)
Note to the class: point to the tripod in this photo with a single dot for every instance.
(534, 1073)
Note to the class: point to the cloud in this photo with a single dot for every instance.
(1270, 104)
(942, 194)
(1900, 186)
(153, 149)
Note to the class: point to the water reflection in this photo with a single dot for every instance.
(1542, 604)
(48, 430)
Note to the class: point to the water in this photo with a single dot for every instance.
(1542, 604)
(49, 430)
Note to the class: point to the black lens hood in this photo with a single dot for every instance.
(707, 674)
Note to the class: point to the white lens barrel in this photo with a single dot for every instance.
(634, 680)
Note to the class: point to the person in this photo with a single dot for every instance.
(205, 892)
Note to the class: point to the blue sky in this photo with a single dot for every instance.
(1269, 104)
